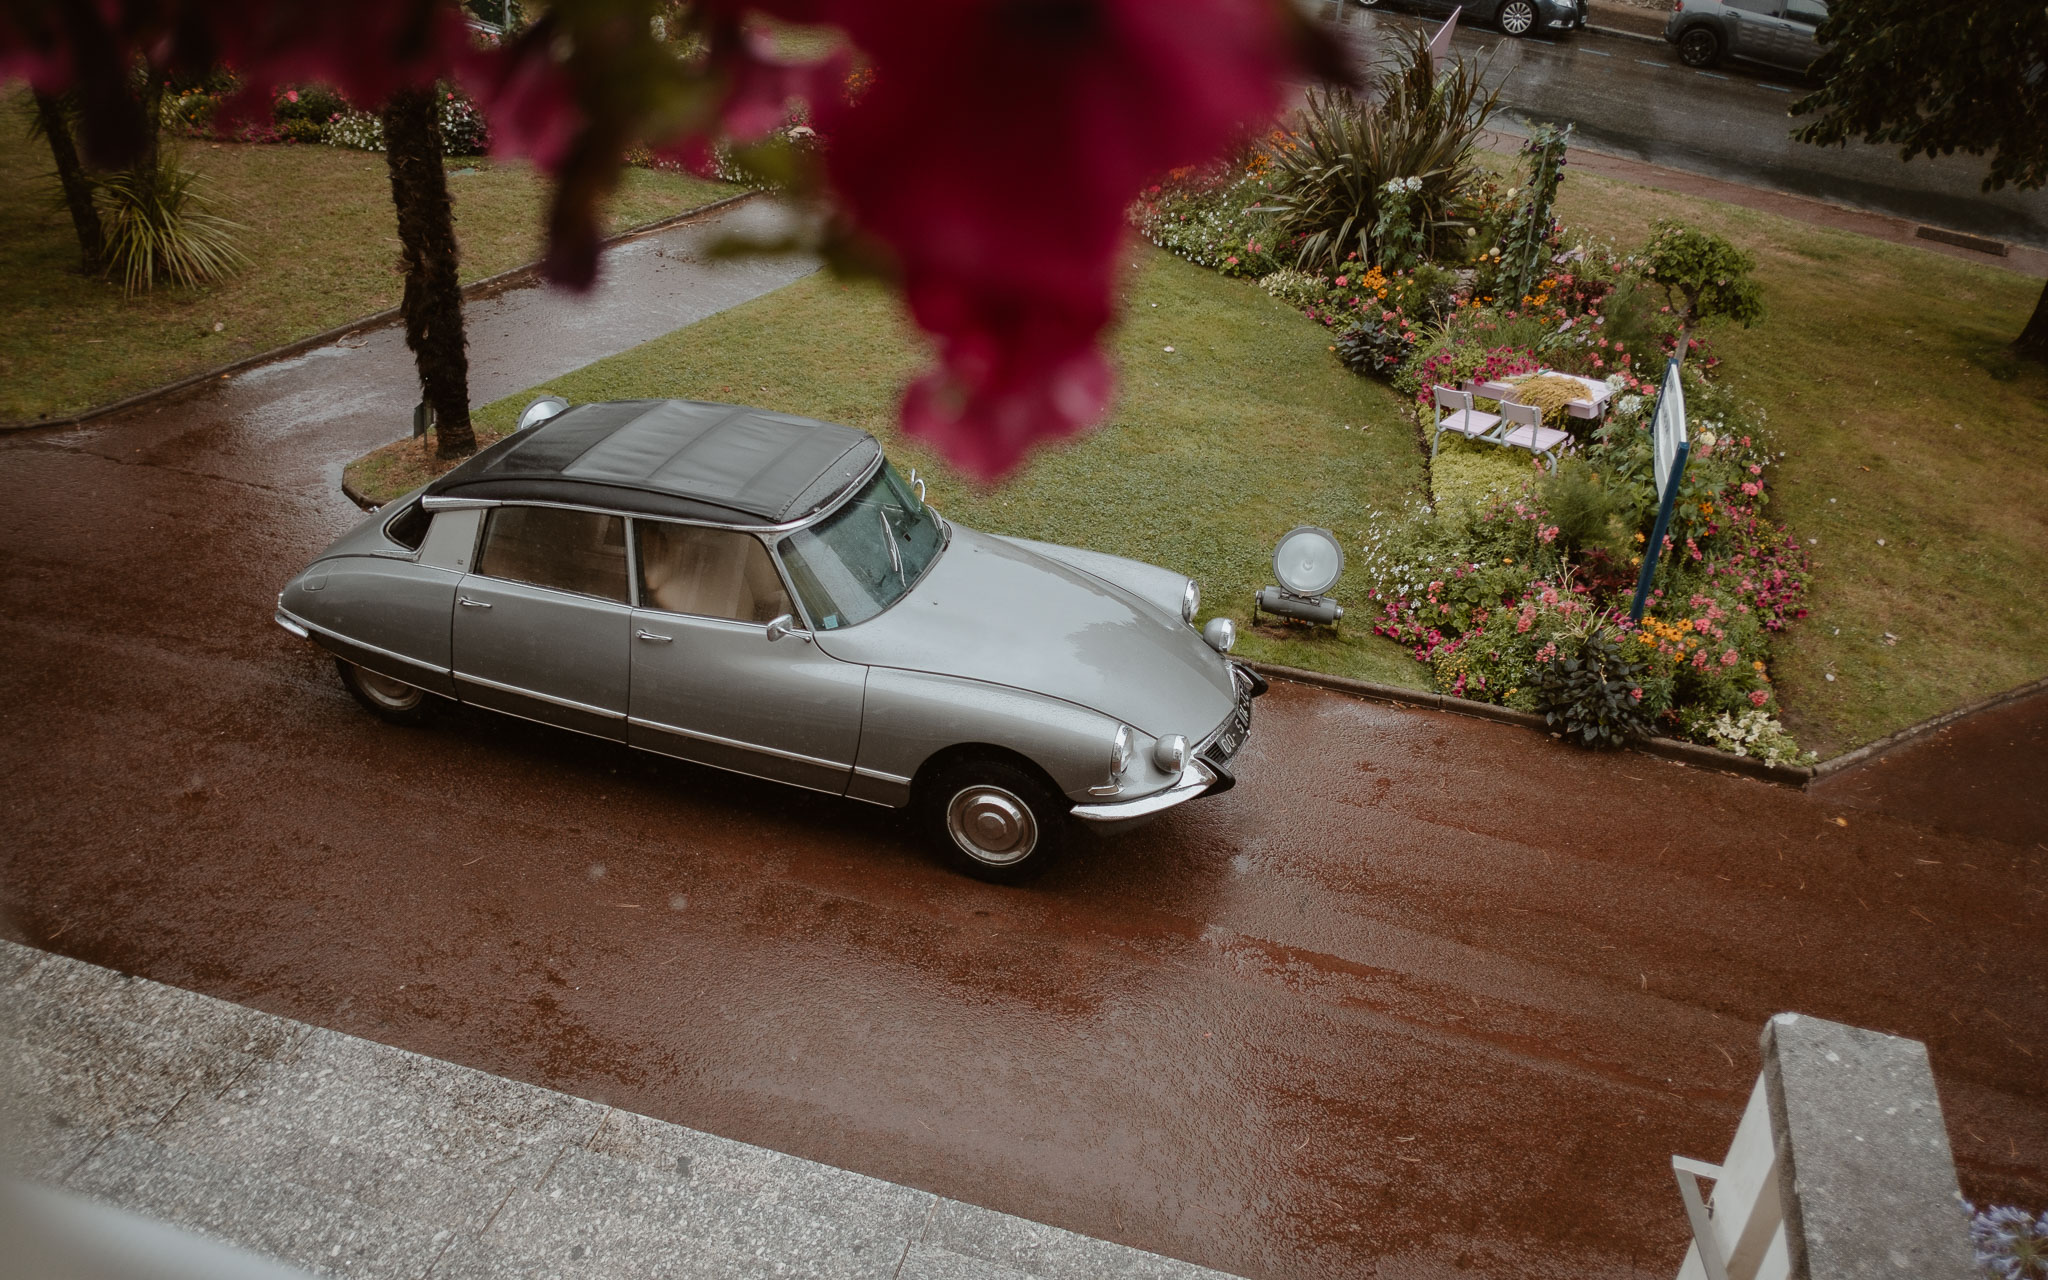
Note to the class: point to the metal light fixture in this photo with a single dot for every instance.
(541, 410)
(1308, 562)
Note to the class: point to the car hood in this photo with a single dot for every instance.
(990, 610)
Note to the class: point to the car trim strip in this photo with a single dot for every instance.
(878, 776)
(292, 622)
(1195, 780)
(549, 698)
(716, 740)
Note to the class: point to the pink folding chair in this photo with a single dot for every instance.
(1463, 418)
(1525, 430)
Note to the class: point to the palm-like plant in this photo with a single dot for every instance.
(1416, 124)
(158, 228)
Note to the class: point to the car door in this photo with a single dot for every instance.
(1801, 47)
(543, 625)
(1757, 29)
(709, 685)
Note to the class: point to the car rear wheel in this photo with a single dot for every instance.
(1517, 17)
(1699, 47)
(992, 819)
(392, 700)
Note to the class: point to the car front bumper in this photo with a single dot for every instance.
(1206, 772)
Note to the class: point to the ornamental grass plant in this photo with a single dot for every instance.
(160, 227)
(1330, 178)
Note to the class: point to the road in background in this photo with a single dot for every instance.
(1633, 98)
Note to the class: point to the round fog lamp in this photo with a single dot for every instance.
(1190, 601)
(1221, 633)
(1120, 751)
(1308, 560)
(1170, 753)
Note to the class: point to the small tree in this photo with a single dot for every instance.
(1936, 79)
(1704, 277)
(53, 121)
(433, 290)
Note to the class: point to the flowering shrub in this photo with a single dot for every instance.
(2009, 1244)
(464, 131)
(1208, 219)
(355, 130)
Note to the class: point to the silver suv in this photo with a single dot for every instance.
(1778, 32)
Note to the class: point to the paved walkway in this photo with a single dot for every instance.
(348, 1157)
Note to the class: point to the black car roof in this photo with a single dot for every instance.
(683, 458)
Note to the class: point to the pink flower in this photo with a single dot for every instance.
(1341, 282)
(1758, 697)
(1636, 693)
(1729, 658)
(291, 95)
(1230, 261)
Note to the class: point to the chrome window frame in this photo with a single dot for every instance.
(633, 567)
(483, 527)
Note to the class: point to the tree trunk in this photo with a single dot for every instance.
(433, 290)
(2033, 340)
(85, 219)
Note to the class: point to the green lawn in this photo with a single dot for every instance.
(1886, 377)
(324, 247)
(1246, 429)
(1883, 369)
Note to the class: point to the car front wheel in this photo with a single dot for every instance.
(1517, 17)
(1699, 47)
(992, 819)
(392, 700)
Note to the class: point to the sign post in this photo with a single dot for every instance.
(1668, 449)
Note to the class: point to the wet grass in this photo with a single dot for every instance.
(1916, 460)
(323, 245)
(1212, 451)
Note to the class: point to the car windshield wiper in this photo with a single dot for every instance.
(889, 537)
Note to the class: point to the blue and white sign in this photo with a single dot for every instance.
(1667, 431)
(1668, 448)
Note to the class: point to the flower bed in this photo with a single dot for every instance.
(1512, 585)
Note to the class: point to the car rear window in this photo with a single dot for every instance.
(409, 527)
(579, 551)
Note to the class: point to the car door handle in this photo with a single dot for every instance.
(473, 604)
(649, 635)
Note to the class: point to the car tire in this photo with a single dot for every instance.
(992, 819)
(385, 698)
(1699, 47)
(1517, 17)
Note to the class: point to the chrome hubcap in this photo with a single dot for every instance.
(383, 690)
(1517, 18)
(990, 825)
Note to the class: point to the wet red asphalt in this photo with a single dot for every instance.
(1423, 997)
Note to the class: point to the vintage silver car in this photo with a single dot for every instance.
(765, 594)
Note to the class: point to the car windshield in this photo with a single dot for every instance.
(865, 556)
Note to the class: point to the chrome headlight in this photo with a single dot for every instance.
(1170, 753)
(1190, 601)
(1120, 751)
(1221, 633)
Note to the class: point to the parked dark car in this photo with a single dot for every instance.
(1515, 17)
(1778, 33)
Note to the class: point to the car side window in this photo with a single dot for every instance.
(712, 573)
(580, 551)
(1768, 8)
(1809, 13)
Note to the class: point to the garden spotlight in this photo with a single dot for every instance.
(1307, 562)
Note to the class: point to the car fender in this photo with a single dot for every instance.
(911, 716)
